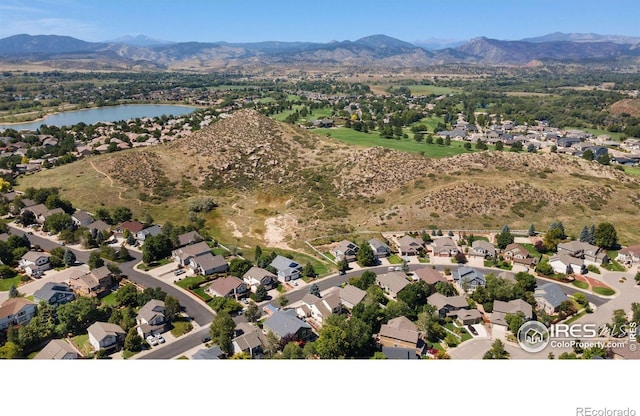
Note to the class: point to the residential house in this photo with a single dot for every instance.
(466, 316)
(97, 282)
(444, 247)
(182, 255)
(446, 304)
(482, 248)
(565, 263)
(286, 324)
(629, 255)
(398, 353)
(429, 275)
(229, 286)
(286, 269)
(16, 311)
(39, 211)
(58, 349)
(34, 262)
(81, 218)
(518, 254)
(189, 238)
(98, 226)
(257, 276)
(106, 336)
(151, 319)
(213, 353)
(501, 309)
(379, 248)
(207, 264)
(410, 246)
(588, 252)
(350, 296)
(401, 333)
(133, 227)
(392, 282)
(54, 294)
(249, 343)
(151, 231)
(345, 249)
(468, 278)
(548, 297)
(319, 308)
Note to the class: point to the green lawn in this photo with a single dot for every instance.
(5, 284)
(82, 343)
(580, 284)
(31, 298)
(201, 292)
(109, 300)
(147, 267)
(128, 354)
(604, 291)
(613, 266)
(532, 250)
(632, 170)
(372, 139)
(187, 281)
(460, 331)
(420, 89)
(181, 326)
(394, 259)
(575, 317)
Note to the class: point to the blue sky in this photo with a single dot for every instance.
(317, 21)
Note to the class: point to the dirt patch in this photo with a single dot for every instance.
(236, 232)
(278, 229)
(629, 106)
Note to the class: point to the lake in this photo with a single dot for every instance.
(104, 114)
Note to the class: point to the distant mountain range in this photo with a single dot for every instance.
(375, 51)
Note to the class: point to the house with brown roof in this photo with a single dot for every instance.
(132, 226)
(151, 318)
(189, 238)
(518, 254)
(466, 316)
(446, 304)
(629, 255)
(58, 349)
(97, 282)
(444, 247)
(257, 276)
(501, 309)
(182, 255)
(16, 311)
(229, 286)
(207, 264)
(350, 296)
(392, 282)
(401, 333)
(410, 246)
(429, 275)
(106, 336)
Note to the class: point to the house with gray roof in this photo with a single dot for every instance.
(501, 309)
(588, 252)
(248, 342)
(151, 231)
(189, 238)
(350, 296)
(482, 248)
(466, 316)
(565, 263)
(410, 246)
(345, 249)
(286, 268)
(549, 297)
(34, 262)
(151, 318)
(444, 247)
(207, 264)
(286, 323)
(629, 255)
(399, 353)
(401, 333)
(81, 218)
(106, 336)
(213, 353)
(182, 255)
(468, 278)
(257, 276)
(445, 304)
(54, 294)
(392, 282)
(319, 309)
(58, 349)
(379, 248)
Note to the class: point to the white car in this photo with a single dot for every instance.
(152, 340)
(160, 339)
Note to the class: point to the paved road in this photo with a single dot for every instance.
(201, 314)
(177, 347)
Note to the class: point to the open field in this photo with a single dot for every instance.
(416, 89)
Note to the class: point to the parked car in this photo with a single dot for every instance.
(206, 339)
(160, 338)
(179, 272)
(152, 340)
(472, 330)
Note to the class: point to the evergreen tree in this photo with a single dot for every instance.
(584, 234)
(69, 258)
(315, 290)
(365, 256)
(532, 231)
(592, 234)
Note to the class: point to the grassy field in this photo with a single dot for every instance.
(604, 291)
(109, 300)
(82, 343)
(187, 281)
(416, 89)
(580, 284)
(635, 170)
(181, 326)
(358, 138)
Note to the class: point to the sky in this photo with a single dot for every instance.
(315, 21)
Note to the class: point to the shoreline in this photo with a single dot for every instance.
(12, 123)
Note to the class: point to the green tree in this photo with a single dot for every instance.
(95, 261)
(261, 293)
(504, 238)
(76, 316)
(156, 248)
(283, 300)
(532, 231)
(516, 147)
(515, 321)
(121, 214)
(69, 258)
(606, 236)
(238, 267)
(308, 270)
(637, 278)
(252, 314)
(133, 341)
(292, 351)
(499, 146)
(258, 254)
(343, 266)
(222, 330)
(172, 308)
(127, 295)
(10, 350)
(496, 352)
(588, 154)
(332, 343)
(315, 290)
(552, 238)
(445, 288)
(123, 254)
(365, 256)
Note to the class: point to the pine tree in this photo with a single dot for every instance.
(592, 234)
(532, 231)
(584, 234)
